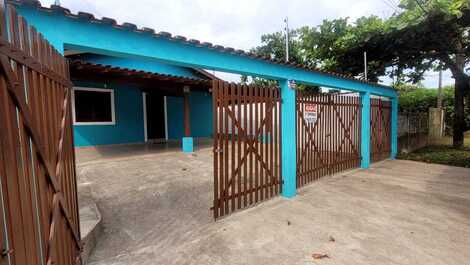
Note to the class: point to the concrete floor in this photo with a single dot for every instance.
(155, 210)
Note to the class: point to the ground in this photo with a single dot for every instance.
(156, 211)
(442, 152)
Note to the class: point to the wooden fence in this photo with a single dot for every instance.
(331, 142)
(380, 125)
(39, 220)
(247, 146)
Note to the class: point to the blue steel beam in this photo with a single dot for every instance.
(288, 140)
(81, 34)
(365, 130)
(394, 129)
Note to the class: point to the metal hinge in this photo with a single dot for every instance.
(6, 252)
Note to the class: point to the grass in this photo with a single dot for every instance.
(442, 152)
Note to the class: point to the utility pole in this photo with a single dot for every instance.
(365, 66)
(439, 91)
(286, 21)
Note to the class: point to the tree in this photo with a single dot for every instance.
(427, 34)
(424, 35)
(273, 46)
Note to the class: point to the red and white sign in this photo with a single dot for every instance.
(310, 113)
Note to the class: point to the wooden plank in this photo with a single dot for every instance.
(221, 146)
(271, 143)
(251, 115)
(232, 161)
(226, 148)
(256, 146)
(262, 112)
(245, 144)
(9, 142)
(215, 133)
(239, 145)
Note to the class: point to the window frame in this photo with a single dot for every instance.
(92, 89)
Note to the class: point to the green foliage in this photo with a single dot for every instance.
(441, 154)
(425, 35)
(419, 99)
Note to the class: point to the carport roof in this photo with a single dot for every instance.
(79, 68)
(166, 35)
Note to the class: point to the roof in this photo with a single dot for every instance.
(132, 73)
(206, 74)
(166, 35)
(91, 57)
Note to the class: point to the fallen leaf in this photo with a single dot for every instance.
(332, 239)
(288, 222)
(320, 256)
(184, 169)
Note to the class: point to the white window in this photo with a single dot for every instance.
(93, 106)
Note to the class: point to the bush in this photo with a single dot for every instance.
(420, 99)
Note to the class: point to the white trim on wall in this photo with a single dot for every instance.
(144, 98)
(165, 105)
(113, 110)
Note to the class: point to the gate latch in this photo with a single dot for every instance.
(218, 150)
(6, 252)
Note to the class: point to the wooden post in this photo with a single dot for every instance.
(186, 110)
(188, 145)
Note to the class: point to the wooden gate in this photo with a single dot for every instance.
(39, 219)
(247, 149)
(328, 134)
(380, 122)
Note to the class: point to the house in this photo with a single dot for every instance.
(120, 101)
(135, 84)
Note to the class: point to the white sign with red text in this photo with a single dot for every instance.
(310, 113)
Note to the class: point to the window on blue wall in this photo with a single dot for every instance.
(93, 106)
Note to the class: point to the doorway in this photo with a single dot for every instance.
(155, 118)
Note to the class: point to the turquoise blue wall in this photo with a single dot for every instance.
(129, 127)
(200, 104)
(140, 64)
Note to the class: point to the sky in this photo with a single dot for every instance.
(237, 23)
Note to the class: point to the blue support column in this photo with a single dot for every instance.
(288, 140)
(188, 145)
(365, 130)
(394, 128)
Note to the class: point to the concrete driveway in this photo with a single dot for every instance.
(155, 209)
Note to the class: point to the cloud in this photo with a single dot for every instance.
(230, 23)
(238, 24)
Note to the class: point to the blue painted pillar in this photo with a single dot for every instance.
(394, 128)
(288, 141)
(365, 130)
(188, 145)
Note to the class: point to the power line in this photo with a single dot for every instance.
(390, 5)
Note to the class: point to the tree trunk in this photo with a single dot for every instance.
(461, 86)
